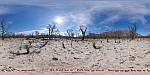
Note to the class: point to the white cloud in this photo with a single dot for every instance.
(41, 31)
(110, 20)
(44, 30)
(4, 10)
(132, 10)
(84, 9)
(81, 18)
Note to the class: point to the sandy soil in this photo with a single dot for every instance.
(76, 54)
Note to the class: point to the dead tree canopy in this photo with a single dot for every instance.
(3, 28)
(133, 29)
(83, 31)
(70, 33)
(57, 32)
(37, 34)
(51, 29)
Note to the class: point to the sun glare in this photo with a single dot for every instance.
(59, 20)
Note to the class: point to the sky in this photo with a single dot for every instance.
(28, 16)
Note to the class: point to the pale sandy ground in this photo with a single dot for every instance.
(49, 73)
(125, 55)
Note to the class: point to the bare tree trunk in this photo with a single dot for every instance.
(2, 35)
(83, 37)
(83, 31)
(3, 29)
(49, 33)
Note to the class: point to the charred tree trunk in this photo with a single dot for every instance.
(83, 31)
(49, 33)
(83, 37)
(3, 28)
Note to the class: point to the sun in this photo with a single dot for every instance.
(59, 20)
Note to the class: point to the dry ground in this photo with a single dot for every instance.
(124, 55)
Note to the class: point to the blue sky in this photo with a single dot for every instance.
(24, 16)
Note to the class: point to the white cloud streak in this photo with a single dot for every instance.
(44, 30)
(41, 31)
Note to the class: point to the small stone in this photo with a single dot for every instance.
(72, 53)
(76, 58)
(132, 58)
(55, 58)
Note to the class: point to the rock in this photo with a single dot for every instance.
(147, 65)
(131, 67)
(54, 58)
(72, 53)
(11, 57)
(132, 58)
(76, 58)
(41, 44)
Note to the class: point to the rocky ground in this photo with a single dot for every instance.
(90, 53)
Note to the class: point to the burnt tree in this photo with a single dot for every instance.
(70, 33)
(3, 28)
(51, 29)
(83, 31)
(132, 30)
